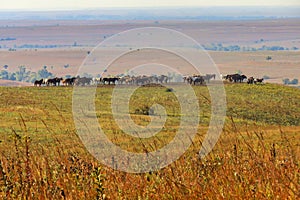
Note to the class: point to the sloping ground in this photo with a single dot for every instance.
(266, 103)
(42, 156)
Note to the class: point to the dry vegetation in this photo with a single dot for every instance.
(257, 156)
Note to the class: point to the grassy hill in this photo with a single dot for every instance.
(256, 157)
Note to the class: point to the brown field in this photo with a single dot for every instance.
(284, 64)
(92, 32)
(87, 34)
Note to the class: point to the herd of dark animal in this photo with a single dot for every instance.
(240, 78)
(198, 79)
(142, 80)
(60, 81)
(82, 81)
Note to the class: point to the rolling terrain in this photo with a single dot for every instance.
(42, 154)
(257, 155)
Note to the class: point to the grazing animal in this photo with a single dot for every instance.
(235, 78)
(195, 79)
(68, 81)
(189, 80)
(50, 82)
(96, 81)
(83, 81)
(208, 77)
(154, 79)
(250, 80)
(45, 81)
(57, 81)
(185, 79)
(110, 80)
(38, 82)
(198, 79)
(242, 78)
(53, 81)
(228, 77)
(163, 79)
(259, 80)
(142, 80)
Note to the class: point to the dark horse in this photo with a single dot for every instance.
(235, 78)
(198, 79)
(250, 80)
(54, 81)
(38, 82)
(69, 81)
(110, 80)
(259, 80)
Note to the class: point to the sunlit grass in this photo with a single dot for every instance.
(256, 157)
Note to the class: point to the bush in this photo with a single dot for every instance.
(269, 58)
(294, 82)
(44, 73)
(169, 90)
(286, 81)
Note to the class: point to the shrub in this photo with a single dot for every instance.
(66, 66)
(269, 58)
(294, 82)
(286, 81)
(169, 90)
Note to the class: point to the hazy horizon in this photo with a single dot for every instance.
(171, 7)
(157, 13)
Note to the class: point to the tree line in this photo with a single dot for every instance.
(220, 47)
(24, 75)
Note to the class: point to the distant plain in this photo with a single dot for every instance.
(72, 39)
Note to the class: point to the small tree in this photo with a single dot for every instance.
(5, 66)
(32, 77)
(4, 75)
(12, 76)
(239, 72)
(21, 74)
(294, 82)
(44, 73)
(269, 58)
(286, 81)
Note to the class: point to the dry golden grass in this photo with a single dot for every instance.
(255, 158)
